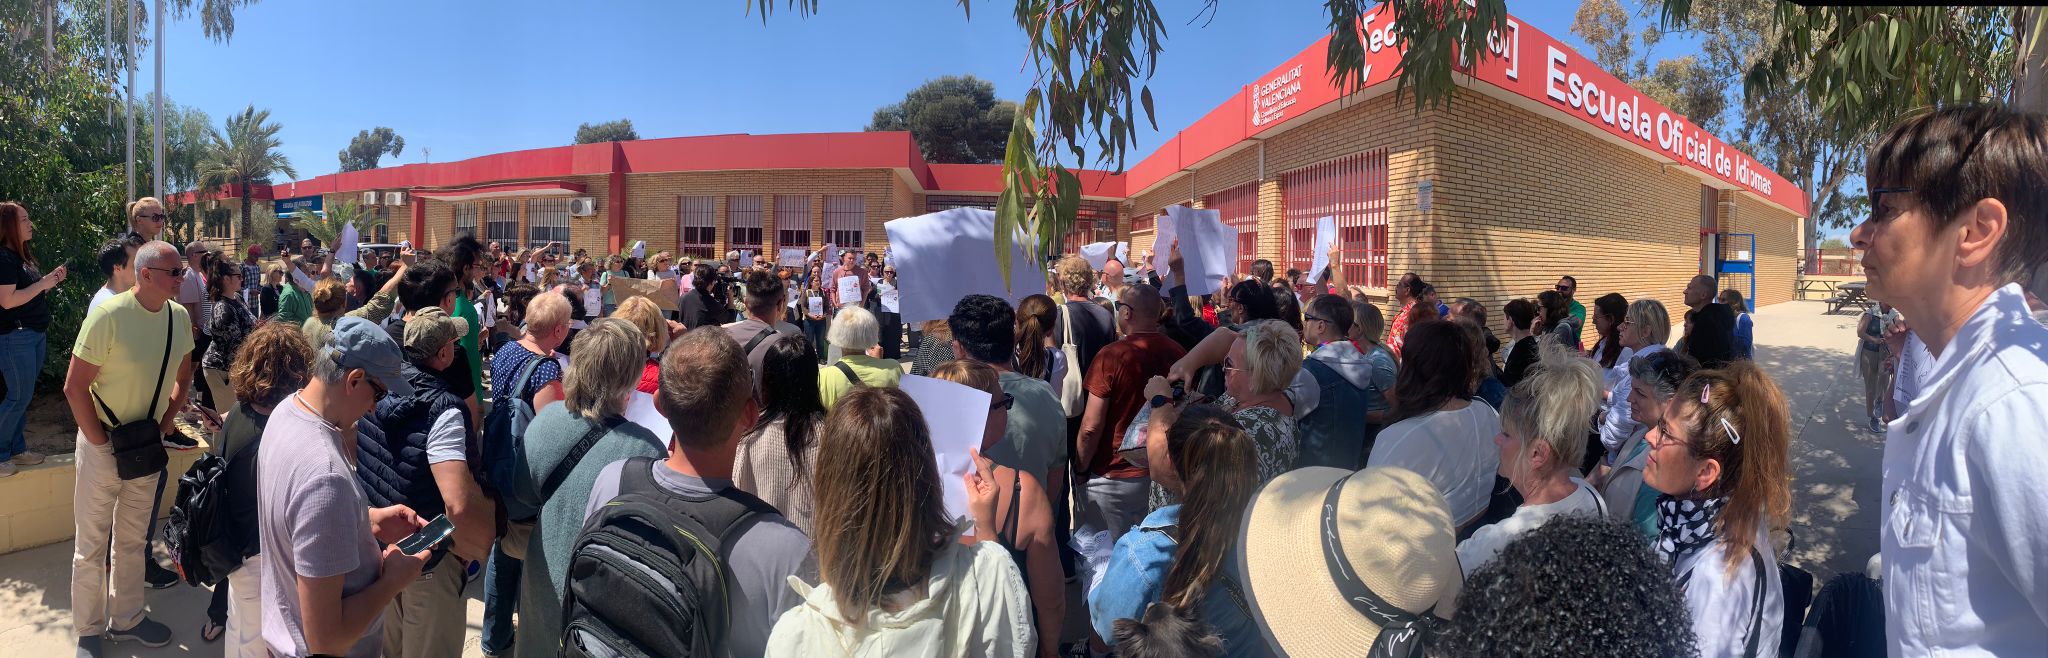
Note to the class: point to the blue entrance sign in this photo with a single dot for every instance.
(286, 207)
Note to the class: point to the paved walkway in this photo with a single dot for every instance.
(1835, 482)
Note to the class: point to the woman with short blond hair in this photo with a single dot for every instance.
(1262, 362)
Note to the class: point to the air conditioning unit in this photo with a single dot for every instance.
(582, 206)
(369, 198)
(394, 198)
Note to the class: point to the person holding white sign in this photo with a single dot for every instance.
(889, 310)
(1020, 520)
(849, 282)
(882, 517)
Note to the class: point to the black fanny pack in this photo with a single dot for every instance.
(139, 445)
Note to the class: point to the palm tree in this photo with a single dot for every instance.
(245, 155)
(328, 229)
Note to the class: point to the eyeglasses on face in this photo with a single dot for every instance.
(152, 216)
(175, 272)
(1004, 404)
(1310, 318)
(1563, 288)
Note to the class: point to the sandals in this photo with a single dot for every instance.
(211, 631)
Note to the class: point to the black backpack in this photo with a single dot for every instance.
(198, 536)
(646, 574)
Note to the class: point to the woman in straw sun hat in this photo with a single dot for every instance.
(1340, 562)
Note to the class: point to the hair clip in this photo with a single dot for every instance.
(1703, 394)
(1733, 436)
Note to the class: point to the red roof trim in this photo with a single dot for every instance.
(501, 189)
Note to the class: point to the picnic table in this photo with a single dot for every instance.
(1849, 294)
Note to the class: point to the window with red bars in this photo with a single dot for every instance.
(1239, 207)
(938, 202)
(1094, 221)
(792, 221)
(1353, 189)
(697, 219)
(1144, 223)
(743, 215)
(846, 218)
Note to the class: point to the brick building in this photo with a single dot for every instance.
(1542, 166)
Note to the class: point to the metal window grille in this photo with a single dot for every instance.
(1239, 207)
(846, 219)
(743, 215)
(1144, 224)
(696, 217)
(1353, 189)
(937, 203)
(465, 218)
(502, 224)
(792, 221)
(1094, 221)
(547, 220)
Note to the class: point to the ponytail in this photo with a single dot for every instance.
(1752, 457)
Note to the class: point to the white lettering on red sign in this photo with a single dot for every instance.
(1508, 48)
(1270, 99)
(1667, 132)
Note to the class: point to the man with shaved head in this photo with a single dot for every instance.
(130, 364)
(1711, 340)
(1113, 491)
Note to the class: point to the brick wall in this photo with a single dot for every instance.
(651, 213)
(1777, 243)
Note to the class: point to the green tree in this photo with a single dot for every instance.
(369, 146)
(609, 131)
(1834, 243)
(244, 154)
(327, 229)
(955, 119)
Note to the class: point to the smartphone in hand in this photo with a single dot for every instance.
(431, 536)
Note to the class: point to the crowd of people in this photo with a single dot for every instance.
(1275, 469)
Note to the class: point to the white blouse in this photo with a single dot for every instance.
(1453, 449)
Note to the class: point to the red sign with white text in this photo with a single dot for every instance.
(1531, 64)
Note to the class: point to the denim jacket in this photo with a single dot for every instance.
(1136, 576)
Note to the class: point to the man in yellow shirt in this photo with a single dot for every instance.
(856, 336)
(133, 356)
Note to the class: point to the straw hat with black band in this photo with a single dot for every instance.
(1383, 577)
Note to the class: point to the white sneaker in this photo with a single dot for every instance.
(28, 458)
(7, 468)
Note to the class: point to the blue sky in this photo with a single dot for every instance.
(472, 78)
(463, 78)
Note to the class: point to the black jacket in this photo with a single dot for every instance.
(391, 445)
(700, 309)
(1712, 339)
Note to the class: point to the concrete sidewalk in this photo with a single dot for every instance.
(1834, 467)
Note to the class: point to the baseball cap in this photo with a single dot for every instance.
(360, 343)
(431, 328)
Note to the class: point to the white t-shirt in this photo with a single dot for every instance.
(445, 442)
(104, 294)
(1487, 542)
(1453, 449)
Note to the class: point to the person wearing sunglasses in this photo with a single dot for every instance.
(147, 218)
(131, 365)
(1020, 518)
(1958, 230)
(326, 582)
(1568, 287)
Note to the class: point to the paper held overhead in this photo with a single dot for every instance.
(944, 256)
(639, 248)
(1208, 248)
(1097, 253)
(1326, 234)
(345, 249)
(790, 258)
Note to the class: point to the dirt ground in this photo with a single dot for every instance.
(50, 430)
